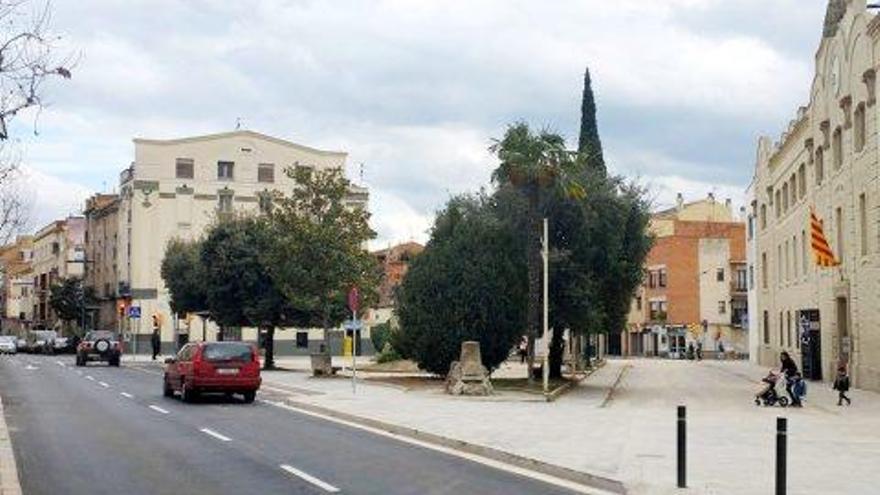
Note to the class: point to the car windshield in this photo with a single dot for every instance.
(227, 351)
(7, 338)
(45, 334)
(93, 336)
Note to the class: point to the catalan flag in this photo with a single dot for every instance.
(821, 250)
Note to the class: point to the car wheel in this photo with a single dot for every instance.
(167, 391)
(250, 396)
(187, 393)
(783, 401)
(114, 362)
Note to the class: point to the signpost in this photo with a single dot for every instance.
(353, 303)
(134, 313)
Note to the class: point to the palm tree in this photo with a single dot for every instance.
(533, 164)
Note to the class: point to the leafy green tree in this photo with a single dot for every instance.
(468, 284)
(589, 142)
(320, 252)
(70, 299)
(184, 276)
(535, 164)
(240, 289)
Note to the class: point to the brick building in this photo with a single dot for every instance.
(695, 284)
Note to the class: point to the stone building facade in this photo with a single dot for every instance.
(826, 160)
(58, 253)
(102, 253)
(16, 295)
(395, 262)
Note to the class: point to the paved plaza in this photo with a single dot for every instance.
(620, 424)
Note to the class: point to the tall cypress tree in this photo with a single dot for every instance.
(589, 138)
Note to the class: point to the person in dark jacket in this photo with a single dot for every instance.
(790, 370)
(841, 384)
(155, 342)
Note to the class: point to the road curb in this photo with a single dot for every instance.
(9, 484)
(586, 479)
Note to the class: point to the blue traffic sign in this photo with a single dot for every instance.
(134, 312)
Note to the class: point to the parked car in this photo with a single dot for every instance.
(21, 344)
(41, 341)
(213, 367)
(63, 345)
(99, 345)
(8, 345)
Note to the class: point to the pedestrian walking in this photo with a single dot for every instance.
(155, 341)
(841, 384)
(523, 350)
(699, 350)
(790, 369)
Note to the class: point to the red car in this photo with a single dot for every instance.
(213, 367)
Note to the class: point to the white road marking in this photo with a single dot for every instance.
(216, 435)
(159, 409)
(104, 384)
(90, 377)
(126, 395)
(546, 478)
(311, 479)
(31, 367)
(59, 363)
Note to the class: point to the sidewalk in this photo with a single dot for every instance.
(627, 432)
(9, 484)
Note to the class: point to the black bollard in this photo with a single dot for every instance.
(682, 447)
(781, 454)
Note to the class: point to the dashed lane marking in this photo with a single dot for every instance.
(59, 363)
(90, 377)
(126, 395)
(104, 384)
(311, 479)
(159, 409)
(218, 436)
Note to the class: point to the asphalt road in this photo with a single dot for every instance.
(100, 430)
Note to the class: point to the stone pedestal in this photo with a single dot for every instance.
(468, 376)
(322, 364)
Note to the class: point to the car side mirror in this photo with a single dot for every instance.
(170, 360)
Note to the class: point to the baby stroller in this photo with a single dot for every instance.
(768, 395)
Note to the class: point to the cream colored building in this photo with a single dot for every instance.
(175, 188)
(58, 253)
(825, 159)
(16, 298)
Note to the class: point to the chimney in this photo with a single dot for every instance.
(679, 202)
(712, 197)
(728, 204)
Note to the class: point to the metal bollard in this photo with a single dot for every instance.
(781, 454)
(682, 447)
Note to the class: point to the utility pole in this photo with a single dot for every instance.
(545, 254)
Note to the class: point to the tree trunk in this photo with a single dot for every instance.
(533, 245)
(557, 351)
(269, 345)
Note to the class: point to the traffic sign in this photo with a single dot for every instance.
(353, 325)
(134, 312)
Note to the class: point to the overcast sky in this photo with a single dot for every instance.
(416, 90)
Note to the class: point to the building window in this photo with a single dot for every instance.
(785, 197)
(764, 270)
(658, 310)
(859, 117)
(787, 263)
(781, 329)
(302, 340)
(225, 170)
(751, 277)
(638, 303)
(722, 307)
(820, 166)
(661, 277)
(763, 217)
(788, 329)
(741, 280)
(719, 274)
(837, 148)
(779, 265)
(751, 227)
(778, 203)
(863, 224)
(793, 188)
(802, 181)
(266, 173)
(224, 203)
(838, 222)
(185, 168)
(804, 257)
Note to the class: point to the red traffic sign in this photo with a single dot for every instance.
(353, 299)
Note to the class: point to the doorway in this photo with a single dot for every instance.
(809, 326)
(843, 334)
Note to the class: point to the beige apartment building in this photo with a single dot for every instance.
(102, 254)
(16, 295)
(58, 253)
(176, 188)
(826, 159)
